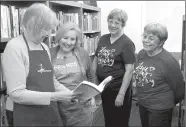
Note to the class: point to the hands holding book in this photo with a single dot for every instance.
(90, 90)
(83, 92)
(65, 95)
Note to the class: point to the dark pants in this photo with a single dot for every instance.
(9, 115)
(155, 118)
(116, 116)
(75, 114)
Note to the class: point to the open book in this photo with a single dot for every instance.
(89, 89)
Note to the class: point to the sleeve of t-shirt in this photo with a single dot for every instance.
(174, 78)
(128, 54)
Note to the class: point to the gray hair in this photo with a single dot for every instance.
(38, 17)
(120, 14)
(158, 30)
(64, 28)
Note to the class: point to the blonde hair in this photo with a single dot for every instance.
(120, 14)
(64, 28)
(158, 30)
(39, 17)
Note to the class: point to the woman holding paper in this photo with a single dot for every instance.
(72, 65)
(29, 74)
(115, 56)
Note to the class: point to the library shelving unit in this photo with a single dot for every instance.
(87, 17)
(182, 106)
(182, 121)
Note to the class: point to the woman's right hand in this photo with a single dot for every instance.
(64, 96)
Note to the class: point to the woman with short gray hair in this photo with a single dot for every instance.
(28, 71)
(158, 77)
(115, 56)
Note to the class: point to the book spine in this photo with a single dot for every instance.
(4, 22)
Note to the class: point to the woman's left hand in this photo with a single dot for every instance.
(119, 100)
(91, 102)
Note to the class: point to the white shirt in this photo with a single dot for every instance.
(15, 65)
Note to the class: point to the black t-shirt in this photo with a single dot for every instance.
(159, 80)
(113, 57)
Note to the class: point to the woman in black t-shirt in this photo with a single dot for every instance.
(115, 56)
(159, 80)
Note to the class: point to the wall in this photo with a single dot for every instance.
(142, 12)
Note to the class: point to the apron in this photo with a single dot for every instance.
(40, 78)
(74, 113)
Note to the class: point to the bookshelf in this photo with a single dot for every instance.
(87, 17)
(182, 107)
(184, 68)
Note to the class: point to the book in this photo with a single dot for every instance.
(90, 90)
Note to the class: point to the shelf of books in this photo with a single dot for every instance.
(87, 17)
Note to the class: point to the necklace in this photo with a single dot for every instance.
(63, 55)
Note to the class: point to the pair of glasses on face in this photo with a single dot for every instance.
(115, 23)
(48, 31)
(149, 37)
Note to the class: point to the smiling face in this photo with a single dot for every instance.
(115, 26)
(68, 41)
(150, 42)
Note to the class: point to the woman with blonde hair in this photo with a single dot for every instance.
(72, 65)
(29, 74)
(115, 56)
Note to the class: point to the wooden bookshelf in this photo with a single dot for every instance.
(62, 8)
(5, 39)
(184, 68)
(67, 3)
(67, 8)
(182, 106)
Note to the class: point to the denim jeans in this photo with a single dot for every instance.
(155, 118)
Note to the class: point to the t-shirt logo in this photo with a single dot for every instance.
(42, 69)
(143, 75)
(106, 57)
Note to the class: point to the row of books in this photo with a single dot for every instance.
(90, 44)
(65, 17)
(91, 22)
(11, 20)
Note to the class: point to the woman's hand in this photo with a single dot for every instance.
(64, 96)
(93, 102)
(119, 100)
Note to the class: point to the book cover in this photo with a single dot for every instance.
(90, 90)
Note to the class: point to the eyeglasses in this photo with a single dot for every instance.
(149, 38)
(115, 23)
(47, 31)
